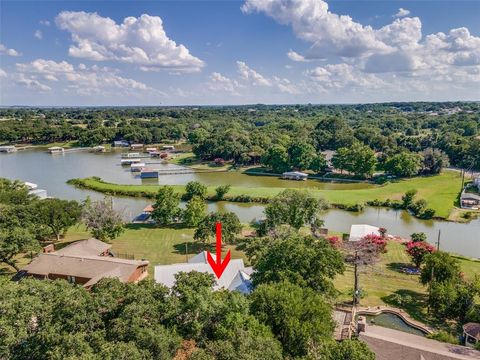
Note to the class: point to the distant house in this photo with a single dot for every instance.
(471, 333)
(121, 143)
(168, 147)
(56, 150)
(85, 263)
(236, 276)
(469, 200)
(358, 232)
(294, 175)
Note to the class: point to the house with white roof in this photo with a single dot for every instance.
(358, 232)
(236, 276)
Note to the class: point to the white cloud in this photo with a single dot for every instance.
(31, 83)
(81, 79)
(141, 41)
(3, 74)
(44, 22)
(7, 51)
(38, 34)
(329, 33)
(294, 56)
(220, 83)
(340, 76)
(397, 56)
(401, 13)
(255, 78)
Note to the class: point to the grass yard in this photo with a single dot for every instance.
(440, 191)
(158, 245)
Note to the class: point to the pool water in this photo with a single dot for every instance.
(392, 321)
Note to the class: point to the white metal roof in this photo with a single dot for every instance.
(230, 279)
(357, 232)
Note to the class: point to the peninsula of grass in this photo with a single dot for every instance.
(440, 191)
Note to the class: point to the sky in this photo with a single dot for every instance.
(94, 53)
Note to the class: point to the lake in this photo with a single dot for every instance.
(51, 172)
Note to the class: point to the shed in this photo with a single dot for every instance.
(471, 333)
(136, 146)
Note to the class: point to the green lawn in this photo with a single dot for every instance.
(440, 191)
(158, 245)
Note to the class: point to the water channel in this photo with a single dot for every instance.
(51, 172)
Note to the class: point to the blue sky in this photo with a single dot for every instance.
(238, 52)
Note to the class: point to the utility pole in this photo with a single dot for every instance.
(355, 286)
(438, 241)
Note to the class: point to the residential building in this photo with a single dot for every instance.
(85, 263)
(236, 276)
(469, 200)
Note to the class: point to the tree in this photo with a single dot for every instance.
(165, 208)
(58, 215)
(305, 261)
(206, 229)
(407, 198)
(440, 267)
(416, 237)
(195, 188)
(357, 159)
(299, 317)
(341, 350)
(434, 160)
(333, 133)
(404, 164)
(14, 242)
(418, 250)
(194, 211)
(103, 221)
(301, 155)
(221, 191)
(276, 158)
(293, 207)
(453, 299)
(361, 253)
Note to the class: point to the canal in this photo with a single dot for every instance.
(51, 172)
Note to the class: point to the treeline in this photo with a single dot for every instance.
(279, 137)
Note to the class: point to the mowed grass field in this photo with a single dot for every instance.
(440, 191)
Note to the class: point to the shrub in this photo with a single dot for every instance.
(444, 336)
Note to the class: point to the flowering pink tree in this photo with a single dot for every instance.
(418, 250)
(335, 241)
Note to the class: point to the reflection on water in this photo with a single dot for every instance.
(52, 172)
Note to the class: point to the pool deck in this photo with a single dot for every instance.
(389, 344)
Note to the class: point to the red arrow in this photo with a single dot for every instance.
(218, 266)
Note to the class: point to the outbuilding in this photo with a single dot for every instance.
(471, 333)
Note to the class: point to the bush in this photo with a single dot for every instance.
(444, 336)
